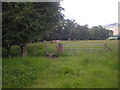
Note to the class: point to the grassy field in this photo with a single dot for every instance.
(91, 70)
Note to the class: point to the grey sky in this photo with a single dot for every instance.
(91, 12)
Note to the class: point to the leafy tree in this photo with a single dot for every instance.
(98, 33)
(22, 21)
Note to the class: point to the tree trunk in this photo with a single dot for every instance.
(24, 49)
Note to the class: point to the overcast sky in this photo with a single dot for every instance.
(91, 12)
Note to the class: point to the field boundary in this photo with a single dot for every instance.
(75, 49)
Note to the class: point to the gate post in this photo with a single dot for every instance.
(105, 46)
(59, 48)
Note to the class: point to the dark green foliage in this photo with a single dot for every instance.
(98, 33)
(24, 21)
(69, 29)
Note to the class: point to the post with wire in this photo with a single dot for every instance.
(60, 49)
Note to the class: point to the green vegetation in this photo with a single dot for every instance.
(27, 21)
(91, 70)
(69, 29)
(19, 72)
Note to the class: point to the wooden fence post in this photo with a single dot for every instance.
(60, 48)
(105, 46)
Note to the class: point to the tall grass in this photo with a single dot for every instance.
(21, 72)
(87, 70)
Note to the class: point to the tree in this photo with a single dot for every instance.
(68, 27)
(98, 33)
(83, 32)
(22, 21)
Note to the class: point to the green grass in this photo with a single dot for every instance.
(98, 70)
(21, 72)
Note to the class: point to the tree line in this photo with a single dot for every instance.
(24, 22)
(70, 30)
